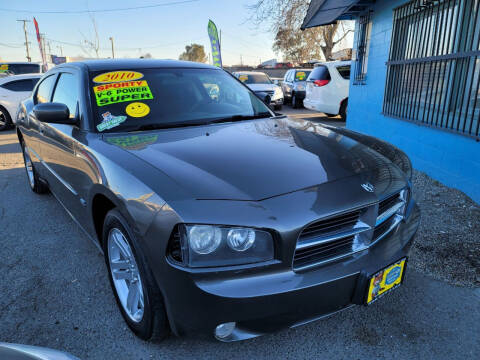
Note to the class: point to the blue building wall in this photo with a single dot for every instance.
(452, 159)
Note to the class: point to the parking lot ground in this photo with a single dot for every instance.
(54, 292)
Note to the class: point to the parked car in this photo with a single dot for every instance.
(327, 88)
(294, 86)
(263, 86)
(214, 214)
(26, 352)
(14, 89)
(19, 68)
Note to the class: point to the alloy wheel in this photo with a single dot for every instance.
(125, 275)
(3, 119)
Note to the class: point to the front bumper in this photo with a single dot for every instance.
(263, 300)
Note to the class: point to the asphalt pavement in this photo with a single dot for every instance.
(54, 292)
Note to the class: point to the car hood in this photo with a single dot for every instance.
(262, 87)
(251, 160)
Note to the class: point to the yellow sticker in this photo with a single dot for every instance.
(3, 67)
(243, 78)
(117, 76)
(300, 75)
(137, 109)
(113, 93)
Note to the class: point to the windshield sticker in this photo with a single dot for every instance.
(4, 68)
(117, 76)
(243, 78)
(123, 91)
(137, 109)
(300, 75)
(133, 142)
(109, 121)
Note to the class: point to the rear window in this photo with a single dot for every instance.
(344, 71)
(18, 69)
(319, 73)
(254, 79)
(21, 85)
(302, 75)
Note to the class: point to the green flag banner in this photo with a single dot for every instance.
(213, 35)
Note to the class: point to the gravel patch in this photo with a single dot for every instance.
(447, 245)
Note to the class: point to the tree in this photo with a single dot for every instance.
(285, 18)
(194, 52)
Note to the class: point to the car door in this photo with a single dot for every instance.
(58, 146)
(32, 128)
(15, 92)
(287, 88)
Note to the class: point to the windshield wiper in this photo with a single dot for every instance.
(241, 117)
(163, 126)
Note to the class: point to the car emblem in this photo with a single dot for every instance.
(368, 187)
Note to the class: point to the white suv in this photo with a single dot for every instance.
(327, 88)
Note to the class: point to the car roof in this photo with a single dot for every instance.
(131, 64)
(250, 73)
(18, 63)
(9, 78)
(335, 63)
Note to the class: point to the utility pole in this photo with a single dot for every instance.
(26, 38)
(61, 50)
(113, 49)
(42, 41)
(241, 60)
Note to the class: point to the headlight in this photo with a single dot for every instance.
(209, 245)
(204, 239)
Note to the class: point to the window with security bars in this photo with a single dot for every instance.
(362, 46)
(433, 75)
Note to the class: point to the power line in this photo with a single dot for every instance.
(15, 46)
(99, 10)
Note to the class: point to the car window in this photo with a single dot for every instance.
(344, 71)
(319, 73)
(66, 92)
(19, 69)
(21, 85)
(254, 79)
(126, 100)
(302, 75)
(285, 78)
(45, 89)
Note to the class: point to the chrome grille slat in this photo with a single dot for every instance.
(342, 235)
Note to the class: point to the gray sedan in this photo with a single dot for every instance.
(213, 213)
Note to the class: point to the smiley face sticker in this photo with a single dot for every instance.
(137, 109)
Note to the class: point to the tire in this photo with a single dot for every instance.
(5, 119)
(277, 107)
(151, 322)
(36, 185)
(295, 102)
(343, 110)
(330, 115)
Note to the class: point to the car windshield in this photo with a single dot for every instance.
(130, 100)
(302, 75)
(254, 79)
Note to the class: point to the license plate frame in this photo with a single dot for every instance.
(381, 283)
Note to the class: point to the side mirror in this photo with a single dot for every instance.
(55, 113)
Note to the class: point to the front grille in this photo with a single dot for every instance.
(330, 225)
(388, 203)
(322, 252)
(269, 92)
(344, 234)
(328, 239)
(385, 226)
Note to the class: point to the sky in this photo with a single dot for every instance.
(162, 31)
